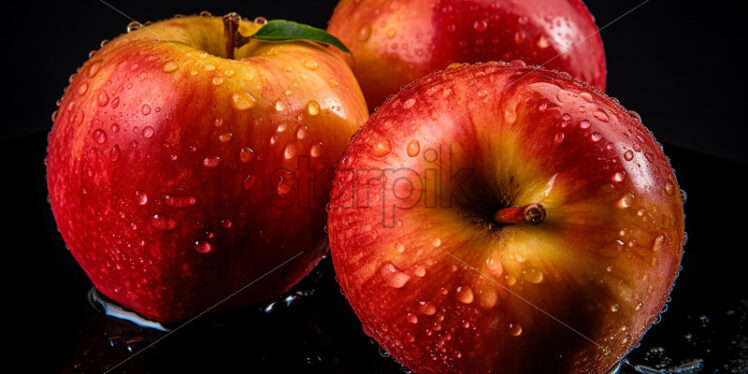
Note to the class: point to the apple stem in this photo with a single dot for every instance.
(231, 31)
(530, 214)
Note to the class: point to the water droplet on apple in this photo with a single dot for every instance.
(134, 25)
(163, 222)
(515, 329)
(226, 223)
(436, 243)
(311, 64)
(596, 136)
(217, 81)
(301, 132)
(364, 33)
(114, 153)
(382, 148)
(601, 115)
(412, 318)
(279, 106)
(203, 246)
(400, 247)
(409, 103)
(102, 98)
(426, 308)
(316, 149)
(141, 198)
(465, 294)
(657, 244)
(519, 37)
(290, 151)
(393, 276)
(669, 188)
(532, 275)
(558, 138)
(82, 88)
(614, 308)
(542, 43)
(618, 176)
(584, 124)
(510, 116)
(242, 100)
(626, 201)
(312, 108)
(99, 136)
(148, 132)
(225, 137)
(145, 109)
(246, 154)
(248, 181)
(170, 66)
(180, 201)
(480, 25)
(586, 96)
(414, 147)
(211, 162)
(261, 20)
(628, 155)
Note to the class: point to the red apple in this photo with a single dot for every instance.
(173, 169)
(502, 218)
(394, 42)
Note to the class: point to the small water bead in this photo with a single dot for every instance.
(601, 115)
(626, 201)
(542, 43)
(586, 96)
(225, 137)
(584, 124)
(436, 243)
(519, 37)
(202, 246)
(427, 308)
(393, 277)
(558, 138)
(414, 147)
(99, 136)
(242, 101)
(312, 108)
(217, 81)
(419, 271)
(316, 149)
(102, 98)
(669, 188)
(141, 198)
(409, 103)
(618, 177)
(657, 244)
(279, 106)
(596, 136)
(226, 223)
(465, 294)
(211, 161)
(382, 148)
(628, 155)
(532, 275)
(412, 318)
(180, 201)
(515, 329)
(510, 116)
(364, 33)
(209, 67)
(614, 308)
(134, 25)
(248, 181)
(281, 128)
(170, 67)
(114, 153)
(480, 25)
(290, 151)
(301, 133)
(83, 88)
(400, 247)
(261, 20)
(145, 109)
(148, 132)
(203, 54)
(163, 222)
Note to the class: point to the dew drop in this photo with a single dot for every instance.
(301, 133)
(657, 244)
(669, 188)
(226, 223)
(558, 138)
(480, 25)
(628, 156)
(614, 308)
(595, 137)
(515, 329)
(311, 64)
(601, 115)
(169, 67)
(261, 20)
(145, 109)
(290, 151)
(82, 88)
(114, 153)
(584, 124)
(99, 136)
(148, 132)
(202, 246)
(217, 81)
(618, 177)
(626, 201)
(180, 201)
(412, 318)
(532, 275)
(364, 33)
(465, 294)
(211, 162)
(519, 37)
(316, 149)
(141, 198)
(436, 243)
(409, 103)
(400, 247)
(312, 108)
(381, 148)
(225, 137)
(393, 276)
(248, 181)
(414, 147)
(279, 106)
(242, 101)
(542, 43)
(134, 25)
(163, 222)
(426, 308)
(246, 154)
(102, 98)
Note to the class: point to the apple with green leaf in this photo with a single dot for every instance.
(508, 219)
(177, 159)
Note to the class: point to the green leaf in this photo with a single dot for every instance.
(281, 30)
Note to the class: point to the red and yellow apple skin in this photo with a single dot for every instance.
(443, 287)
(169, 166)
(395, 42)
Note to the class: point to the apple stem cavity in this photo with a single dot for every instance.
(530, 214)
(231, 32)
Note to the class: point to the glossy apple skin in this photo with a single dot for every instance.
(394, 42)
(161, 146)
(444, 288)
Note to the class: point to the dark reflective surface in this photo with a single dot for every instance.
(312, 328)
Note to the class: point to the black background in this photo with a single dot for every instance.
(677, 63)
